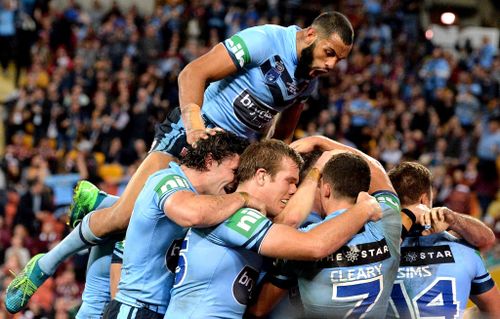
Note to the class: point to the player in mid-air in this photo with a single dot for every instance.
(251, 82)
(438, 272)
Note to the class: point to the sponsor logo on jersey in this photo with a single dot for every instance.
(169, 183)
(422, 256)
(388, 199)
(245, 221)
(251, 112)
(244, 284)
(172, 255)
(356, 255)
(239, 49)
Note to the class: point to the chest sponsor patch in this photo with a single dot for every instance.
(421, 256)
(244, 284)
(251, 112)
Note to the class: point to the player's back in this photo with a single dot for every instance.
(218, 268)
(356, 279)
(436, 276)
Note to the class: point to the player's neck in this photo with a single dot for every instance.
(196, 178)
(334, 205)
(300, 40)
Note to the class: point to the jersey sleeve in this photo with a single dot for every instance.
(482, 282)
(244, 229)
(248, 47)
(117, 257)
(168, 185)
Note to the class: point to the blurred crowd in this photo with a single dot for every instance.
(92, 84)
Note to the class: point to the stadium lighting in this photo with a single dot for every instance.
(448, 18)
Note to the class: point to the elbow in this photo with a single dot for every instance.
(192, 219)
(184, 75)
(489, 241)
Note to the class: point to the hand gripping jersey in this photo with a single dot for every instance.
(436, 276)
(246, 102)
(356, 280)
(219, 268)
(149, 257)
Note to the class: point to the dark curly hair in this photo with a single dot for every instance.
(219, 146)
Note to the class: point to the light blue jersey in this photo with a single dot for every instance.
(246, 102)
(149, 258)
(356, 280)
(219, 267)
(436, 276)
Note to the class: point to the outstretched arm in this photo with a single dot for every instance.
(301, 203)
(286, 242)
(188, 209)
(379, 178)
(467, 227)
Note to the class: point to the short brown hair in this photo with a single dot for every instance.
(348, 174)
(268, 155)
(411, 180)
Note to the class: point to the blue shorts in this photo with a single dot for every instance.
(170, 136)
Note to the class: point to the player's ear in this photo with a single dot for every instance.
(425, 200)
(209, 161)
(325, 190)
(261, 176)
(311, 35)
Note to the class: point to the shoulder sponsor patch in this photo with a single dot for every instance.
(389, 199)
(239, 49)
(169, 183)
(245, 221)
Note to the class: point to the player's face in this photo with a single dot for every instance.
(279, 190)
(326, 53)
(222, 176)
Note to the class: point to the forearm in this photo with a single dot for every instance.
(472, 230)
(301, 203)
(191, 87)
(379, 178)
(209, 210)
(286, 123)
(269, 296)
(336, 232)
